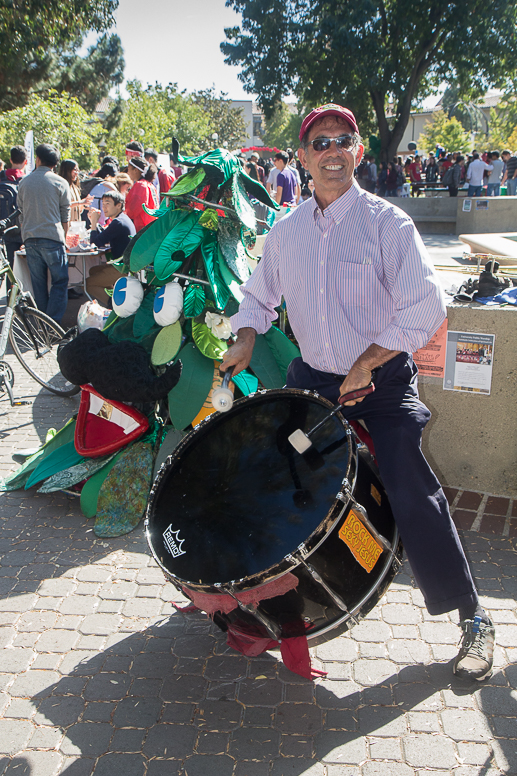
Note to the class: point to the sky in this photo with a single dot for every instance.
(177, 41)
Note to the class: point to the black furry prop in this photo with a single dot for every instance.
(121, 371)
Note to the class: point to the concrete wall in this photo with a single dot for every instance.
(471, 440)
(501, 216)
(432, 215)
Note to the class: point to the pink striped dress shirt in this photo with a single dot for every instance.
(354, 275)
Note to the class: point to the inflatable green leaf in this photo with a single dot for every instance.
(186, 236)
(143, 320)
(229, 238)
(282, 349)
(148, 241)
(209, 345)
(91, 488)
(166, 344)
(159, 211)
(209, 219)
(246, 382)
(60, 458)
(194, 300)
(187, 183)
(228, 278)
(220, 291)
(187, 397)
(19, 477)
(265, 366)
(242, 204)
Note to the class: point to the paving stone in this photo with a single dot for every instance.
(98, 711)
(40, 763)
(422, 749)
(439, 633)
(203, 764)
(220, 716)
(46, 738)
(337, 694)
(146, 687)
(254, 744)
(299, 693)
(193, 646)
(60, 641)
(78, 604)
(505, 727)
(340, 748)
(181, 713)
(401, 614)
(257, 716)
(424, 722)
(408, 651)
(339, 649)
(100, 624)
(371, 650)
(405, 632)
(212, 743)
(107, 687)
(36, 621)
(474, 754)
(114, 763)
(47, 662)
(118, 590)
(370, 672)
(382, 721)
(153, 665)
(385, 749)
(15, 660)
(20, 708)
(497, 700)
(226, 668)
(389, 769)
(290, 767)
(14, 735)
(128, 740)
(304, 718)
(176, 741)
(417, 697)
(58, 588)
(183, 689)
(465, 725)
(371, 631)
(165, 768)
(296, 746)
(137, 712)
(264, 692)
(63, 711)
(142, 607)
(87, 738)
(341, 719)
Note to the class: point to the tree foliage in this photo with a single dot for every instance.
(445, 132)
(154, 115)
(503, 124)
(371, 52)
(36, 34)
(57, 119)
(226, 121)
(283, 128)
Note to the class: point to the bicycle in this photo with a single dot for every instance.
(33, 335)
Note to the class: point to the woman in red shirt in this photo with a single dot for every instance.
(142, 192)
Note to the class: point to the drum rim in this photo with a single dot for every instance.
(284, 564)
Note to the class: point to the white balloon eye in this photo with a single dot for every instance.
(168, 304)
(127, 296)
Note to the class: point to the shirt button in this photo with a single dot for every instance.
(321, 290)
(326, 344)
(325, 235)
(322, 263)
(322, 317)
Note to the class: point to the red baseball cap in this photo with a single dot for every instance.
(331, 109)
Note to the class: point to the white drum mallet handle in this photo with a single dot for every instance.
(222, 397)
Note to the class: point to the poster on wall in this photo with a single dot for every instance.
(468, 362)
(430, 359)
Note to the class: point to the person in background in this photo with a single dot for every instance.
(260, 168)
(107, 177)
(44, 201)
(493, 187)
(12, 176)
(287, 187)
(123, 182)
(381, 180)
(415, 176)
(134, 148)
(431, 172)
(475, 175)
(142, 192)
(117, 235)
(456, 175)
(164, 178)
(69, 170)
(271, 180)
(392, 180)
(251, 169)
(510, 173)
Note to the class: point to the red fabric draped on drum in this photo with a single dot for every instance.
(225, 603)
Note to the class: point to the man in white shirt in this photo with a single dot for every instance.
(475, 175)
(493, 188)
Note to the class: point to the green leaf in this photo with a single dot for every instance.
(143, 319)
(209, 219)
(209, 345)
(166, 344)
(246, 382)
(91, 488)
(187, 183)
(220, 291)
(147, 242)
(230, 243)
(159, 211)
(264, 364)
(185, 236)
(188, 396)
(194, 300)
(228, 278)
(123, 330)
(282, 349)
(61, 458)
(128, 251)
(242, 204)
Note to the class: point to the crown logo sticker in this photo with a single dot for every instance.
(173, 542)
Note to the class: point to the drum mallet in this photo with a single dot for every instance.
(222, 397)
(300, 440)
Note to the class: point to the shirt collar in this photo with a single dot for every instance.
(340, 207)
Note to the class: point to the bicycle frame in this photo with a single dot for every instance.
(14, 301)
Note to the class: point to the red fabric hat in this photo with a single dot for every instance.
(331, 109)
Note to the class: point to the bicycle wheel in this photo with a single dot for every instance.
(41, 361)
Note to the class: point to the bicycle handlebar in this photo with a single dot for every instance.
(7, 223)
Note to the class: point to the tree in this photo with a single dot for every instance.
(283, 128)
(370, 53)
(36, 34)
(57, 119)
(445, 132)
(90, 78)
(227, 122)
(154, 115)
(503, 124)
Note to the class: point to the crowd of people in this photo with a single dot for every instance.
(481, 173)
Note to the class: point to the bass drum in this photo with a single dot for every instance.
(236, 509)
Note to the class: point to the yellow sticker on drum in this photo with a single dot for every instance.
(365, 549)
(375, 494)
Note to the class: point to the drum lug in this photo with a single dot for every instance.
(272, 628)
(332, 593)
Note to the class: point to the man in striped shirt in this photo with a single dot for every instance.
(362, 295)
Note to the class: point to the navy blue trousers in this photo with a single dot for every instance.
(395, 418)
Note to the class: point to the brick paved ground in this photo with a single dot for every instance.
(98, 674)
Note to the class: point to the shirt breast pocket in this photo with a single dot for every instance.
(358, 284)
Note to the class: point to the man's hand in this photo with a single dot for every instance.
(94, 216)
(239, 355)
(358, 377)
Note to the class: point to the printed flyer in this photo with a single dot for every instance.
(468, 362)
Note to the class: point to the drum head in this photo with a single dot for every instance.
(236, 498)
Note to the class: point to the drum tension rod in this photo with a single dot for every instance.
(319, 579)
(272, 628)
(362, 514)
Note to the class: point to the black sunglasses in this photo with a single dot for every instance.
(343, 142)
